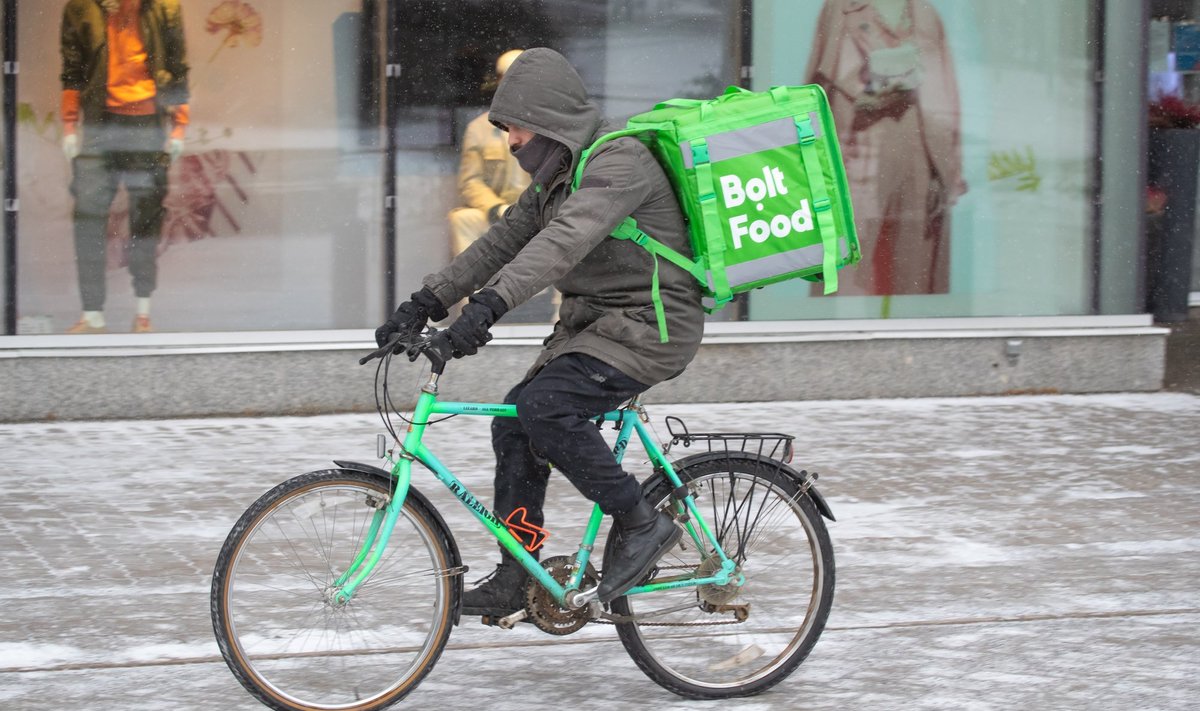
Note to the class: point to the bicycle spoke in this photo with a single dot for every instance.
(286, 637)
(715, 641)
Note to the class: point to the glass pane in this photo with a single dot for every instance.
(273, 215)
(968, 132)
(630, 55)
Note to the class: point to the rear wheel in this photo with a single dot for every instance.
(723, 641)
(287, 641)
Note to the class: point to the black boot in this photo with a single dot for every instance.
(645, 534)
(501, 593)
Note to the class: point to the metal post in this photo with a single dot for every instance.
(390, 97)
(10, 166)
(745, 58)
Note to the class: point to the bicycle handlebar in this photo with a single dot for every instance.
(415, 345)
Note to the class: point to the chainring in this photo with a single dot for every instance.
(544, 611)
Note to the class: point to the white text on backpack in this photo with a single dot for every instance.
(758, 189)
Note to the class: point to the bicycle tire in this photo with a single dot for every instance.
(697, 648)
(285, 642)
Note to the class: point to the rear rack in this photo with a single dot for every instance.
(769, 445)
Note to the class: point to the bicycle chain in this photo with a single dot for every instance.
(603, 621)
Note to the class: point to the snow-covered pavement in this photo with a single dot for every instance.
(1027, 552)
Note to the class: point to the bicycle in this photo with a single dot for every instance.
(337, 589)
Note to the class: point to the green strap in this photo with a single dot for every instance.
(587, 152)
(822, 207)
(713, 234)
(628, 229)
(679, 103)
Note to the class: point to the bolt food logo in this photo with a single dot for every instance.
(736, 193)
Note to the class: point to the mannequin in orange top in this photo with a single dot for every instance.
(124, 111)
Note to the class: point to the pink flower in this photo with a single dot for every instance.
(239, 20)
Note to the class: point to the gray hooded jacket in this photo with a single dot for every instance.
(550, 237)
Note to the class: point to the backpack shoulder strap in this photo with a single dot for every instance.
(628, 230)
(587, 152)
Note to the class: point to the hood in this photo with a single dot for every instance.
(542, 92)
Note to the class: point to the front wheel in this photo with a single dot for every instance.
(282, 633)
(721, 641)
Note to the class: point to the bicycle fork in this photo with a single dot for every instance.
(376, 538)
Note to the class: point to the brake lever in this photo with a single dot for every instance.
(381, 351)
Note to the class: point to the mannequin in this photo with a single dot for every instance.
(124, 112)
(887, 68)
(489, 179)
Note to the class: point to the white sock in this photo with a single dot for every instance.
(95, 319)
(143, 306)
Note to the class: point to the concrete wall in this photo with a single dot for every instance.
(184, 375)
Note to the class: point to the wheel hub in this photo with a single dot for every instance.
(714, 594)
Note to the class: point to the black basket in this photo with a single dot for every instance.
(767, 445)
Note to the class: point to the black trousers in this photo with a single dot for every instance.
(119, 150)
(555, 411)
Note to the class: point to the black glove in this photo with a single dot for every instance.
(469, 332)
(411, 316)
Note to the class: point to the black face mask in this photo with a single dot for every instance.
(541, 157)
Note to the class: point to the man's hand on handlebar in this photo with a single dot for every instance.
(470, 331)
(406, 332)
(411, 317)
(414, 345)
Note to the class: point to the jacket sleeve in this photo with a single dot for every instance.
(173, 89)
(474, 189)
(614, 184)
(74, 73)
(478, 263)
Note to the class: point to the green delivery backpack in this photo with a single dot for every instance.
(759, 177)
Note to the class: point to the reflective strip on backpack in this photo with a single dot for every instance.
(783, 263)
(744, 141)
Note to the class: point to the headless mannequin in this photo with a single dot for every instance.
(892, 12)
(122, 142)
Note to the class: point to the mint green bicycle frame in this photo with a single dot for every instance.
(630, 420)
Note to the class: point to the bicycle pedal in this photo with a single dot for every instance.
(504, 622)
(489, 620)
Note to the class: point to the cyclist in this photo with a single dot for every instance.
(605, 347)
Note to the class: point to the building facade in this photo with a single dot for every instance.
(996, 162)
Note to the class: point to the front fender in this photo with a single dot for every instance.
(803, 479)
(438, 521)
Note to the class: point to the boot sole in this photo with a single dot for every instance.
(672, 540)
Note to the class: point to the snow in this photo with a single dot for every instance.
(991, 552)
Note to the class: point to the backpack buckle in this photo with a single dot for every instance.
(804, 129)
